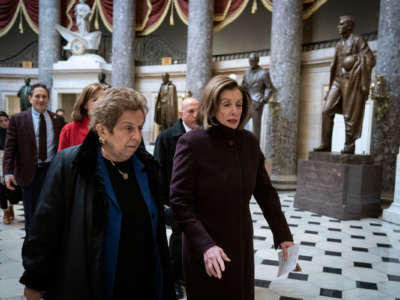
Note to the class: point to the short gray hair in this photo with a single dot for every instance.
(114, 102)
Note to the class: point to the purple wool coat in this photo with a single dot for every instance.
(215, 173)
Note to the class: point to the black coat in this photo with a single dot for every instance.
(216, 171)
(164, 151)
(62, 254)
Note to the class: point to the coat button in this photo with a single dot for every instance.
(231, 143)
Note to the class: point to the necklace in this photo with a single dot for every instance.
(124, 175)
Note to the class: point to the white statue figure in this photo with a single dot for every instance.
(81, 40)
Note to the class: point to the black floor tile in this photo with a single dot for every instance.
(362, 265)
(359, 249)
(332, 270)
(298, 276)
(393, 277)
(396, 230)
(375, 224)
(311, 232)
(391, 260)
(257, 213)
(264, 227)
(380, 233)
(283, 205)
(366, 285)
(287, 200)
(332, 240)
(260, 238)
(289, 298)
(331, 293)
(314, 223)
(262, 283)
(295, 217)
(315, 215)
(383, 245)
(360, 237)
(305, 257)
(334, 221)
(356, 227)
(270, 262)
(293, 225)
(307, 244)
(333, 253)
(335, 229)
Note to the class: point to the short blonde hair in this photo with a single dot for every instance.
(210, 101)
(114, 102)
(88, 92)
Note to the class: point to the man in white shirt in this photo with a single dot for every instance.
(31, 144)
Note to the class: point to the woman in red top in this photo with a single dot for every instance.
(75, 132)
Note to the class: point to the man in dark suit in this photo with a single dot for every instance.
(31, 144)
(164, 151)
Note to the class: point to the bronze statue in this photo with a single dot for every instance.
(23, 95)
(257, 83)
(102, 80)
(166, 108)
(348, 87)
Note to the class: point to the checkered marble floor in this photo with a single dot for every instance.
(339, 259)
(352, 260)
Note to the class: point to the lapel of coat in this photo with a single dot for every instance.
(30, 127)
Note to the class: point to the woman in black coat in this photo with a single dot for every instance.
(216, 171)
(98, 231)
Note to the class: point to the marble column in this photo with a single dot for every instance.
(286, 40)
(392, 214)
(49, 39)
(123, 37)
(199, 45)
(386, 131)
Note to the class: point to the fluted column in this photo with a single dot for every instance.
(123, 37)
(286, 40)
(199, 45)
(386, 131)
(49, 39)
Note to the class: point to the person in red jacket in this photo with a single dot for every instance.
(75, 132)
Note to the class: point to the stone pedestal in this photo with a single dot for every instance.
(340, 186)
(71, 76)
(392, 214)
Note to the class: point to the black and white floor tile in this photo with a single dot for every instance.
(358, 259)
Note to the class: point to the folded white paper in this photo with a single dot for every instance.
(286, 266)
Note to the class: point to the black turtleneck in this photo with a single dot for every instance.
(134, 274)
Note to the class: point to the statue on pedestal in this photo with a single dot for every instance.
(257, 83)
(82, 40)
(348, 87)
(166, 108)
(102, 80)
(23, 95)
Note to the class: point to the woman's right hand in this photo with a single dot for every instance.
(32, 294)
(214, 259)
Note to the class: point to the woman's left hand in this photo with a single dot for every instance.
(285, 245)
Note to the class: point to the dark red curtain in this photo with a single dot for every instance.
(7, 10)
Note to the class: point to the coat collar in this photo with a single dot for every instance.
(86, 159)
(178, 129)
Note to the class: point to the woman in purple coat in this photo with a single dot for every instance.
(216, 171)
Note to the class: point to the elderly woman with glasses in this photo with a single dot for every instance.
(98, 231)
